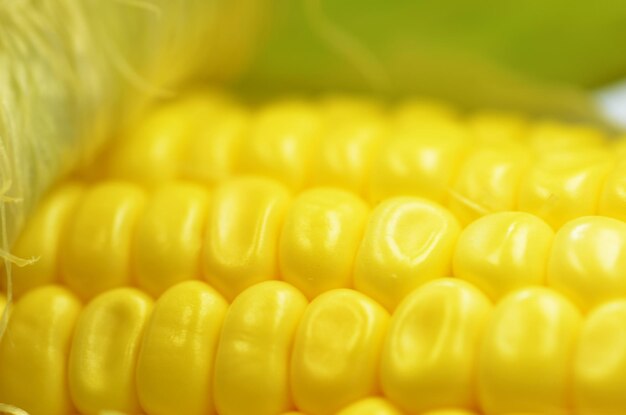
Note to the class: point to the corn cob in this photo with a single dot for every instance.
(473, 164)
(375, 242)
(271, 351)
(320, 240)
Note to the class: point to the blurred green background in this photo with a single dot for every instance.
(539, 55)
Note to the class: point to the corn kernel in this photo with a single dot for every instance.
(152, 152)
(169, 237)
(563, 186)
(104, 352)
(492, 129)
(240, 245)
(588, 261)
(42, 239)
(525, 360)
(407, 242)
(336, 350)
(175, 365)
(33, 352)
(488, 182)
(550, 137)
(450, 412)
(345, 152)
(319, 240)
(252, 362)
(96, 251)
(613, 196)
(370, 406)
(280, 143)
(429, 355)
(504, 251)
(211, 152)
(421, 159)
(600, 364)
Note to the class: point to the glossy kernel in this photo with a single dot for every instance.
(345, 153)
(613, 196)
(175, 365)
(419, 159)
(503, 251)
(213, 147)
(407, 242)
(280, 143)
(487, 182)
(243, 227)
(252, 362)
(152, 151)
(526, 357)
(564, 186)
(97, 247)
(336, 351)
(429, 356)
(42, 239)
(319, 240)
(600, 365)
(33, 352)
(169, 237)
(588, 261)
(104, 352)
(371, 406)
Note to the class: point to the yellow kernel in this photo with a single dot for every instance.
(152, 151)
(498, 130)
(564, 186)
(33, 353)
(175, 366)
(104, 352)
(336, 351)
(526, 357)
(241, 242)
(252, 362)
(551, 137)
(280, 143)
(613, 196)
(96, 251)
(420, 160)
(42, 238)
(169, 237)
(503, 251)
(345, 152)
(211, 153)
(370, 406)
(319, 240)
(600, 364)
(407, 242)
(430, 352)
(588, 261)
(450, 412)
(487, 182)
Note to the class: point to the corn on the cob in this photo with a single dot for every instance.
(473, 165)
(250, 230)
(385, 332)
(270, 351)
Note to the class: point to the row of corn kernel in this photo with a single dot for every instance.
(270, 351)
(482, 164)
(249, 230)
